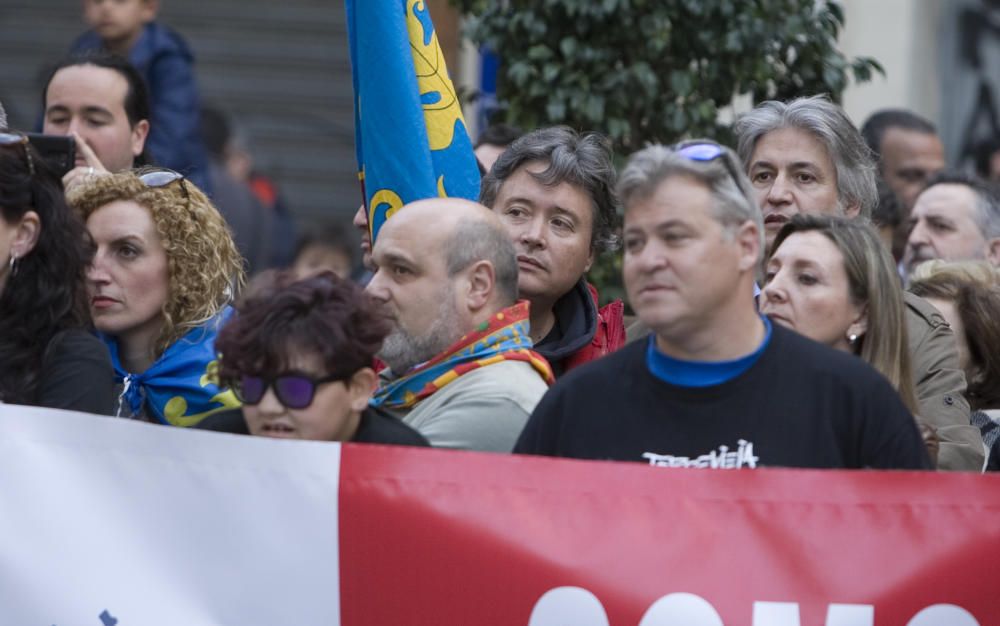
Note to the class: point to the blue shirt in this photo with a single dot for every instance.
(701, 373)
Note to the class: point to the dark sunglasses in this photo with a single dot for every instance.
(13, 139)
(293, 389)
(705, 151)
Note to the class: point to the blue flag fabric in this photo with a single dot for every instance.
(180, 388)
(409, 133)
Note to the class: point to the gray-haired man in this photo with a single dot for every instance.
(716, 384)
(806, 156)
(956, 218)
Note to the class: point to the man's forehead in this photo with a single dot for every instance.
(791, 147)
(83, 86)
(952, 199)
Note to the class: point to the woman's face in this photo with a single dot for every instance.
(807, 290)
(333, 415)
(128, 281)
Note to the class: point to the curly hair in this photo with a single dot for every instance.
(49, 291)
(204, 268)
(328, 316)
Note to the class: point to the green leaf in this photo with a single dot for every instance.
(680, 83)
(556, 110)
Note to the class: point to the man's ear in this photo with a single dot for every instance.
(360, 387)
(26, 233)
(853, 209)
(749, 240)
(993, 251)
(481, 284)
(139, 134)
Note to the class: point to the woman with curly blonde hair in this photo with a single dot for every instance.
(160, 286)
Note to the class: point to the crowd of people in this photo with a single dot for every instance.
(820, 296)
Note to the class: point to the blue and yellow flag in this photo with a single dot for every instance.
(409, 133)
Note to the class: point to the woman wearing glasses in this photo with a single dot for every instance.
(48, 356)
(160, 285)
(299, 357)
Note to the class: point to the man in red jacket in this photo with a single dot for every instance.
(554, 191)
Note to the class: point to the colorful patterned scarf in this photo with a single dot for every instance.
(503, 338)
(180, 388)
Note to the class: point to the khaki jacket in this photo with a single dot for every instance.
(940, 386)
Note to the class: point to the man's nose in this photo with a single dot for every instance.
(376, 286)
(780, 191)
(533, 234)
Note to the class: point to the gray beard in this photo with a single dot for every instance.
(401, 351)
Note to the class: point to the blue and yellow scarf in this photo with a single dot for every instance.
(502, 338)
(181, 387)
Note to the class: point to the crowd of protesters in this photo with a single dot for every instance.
(819, 295)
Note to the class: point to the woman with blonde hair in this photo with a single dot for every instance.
(831, 279)
(160, 285)
(967, 294)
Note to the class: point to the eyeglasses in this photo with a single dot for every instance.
(162, 177)
(293, 389)
(705, 151)
(13, 139)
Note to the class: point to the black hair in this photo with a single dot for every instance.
(875, 127)
(499, 135)
(48, 292)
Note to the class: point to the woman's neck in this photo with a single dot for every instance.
(137, 348)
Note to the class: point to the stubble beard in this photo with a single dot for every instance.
(402, 350)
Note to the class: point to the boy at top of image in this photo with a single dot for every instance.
(128, 28)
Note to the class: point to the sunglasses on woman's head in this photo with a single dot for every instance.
(162, 178)
(14, 139)
(294, 390)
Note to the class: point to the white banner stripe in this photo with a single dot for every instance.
(161, 525)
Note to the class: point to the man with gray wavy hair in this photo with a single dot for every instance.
(806, 156)
(716, 385)
(554, 191)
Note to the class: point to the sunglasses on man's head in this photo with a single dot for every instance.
(705, 151)
(13, 140)
(294, 390)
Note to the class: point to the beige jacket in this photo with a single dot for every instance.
(940, 386)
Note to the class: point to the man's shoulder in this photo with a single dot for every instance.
(921, 316)
(804, 358)
(514, 380)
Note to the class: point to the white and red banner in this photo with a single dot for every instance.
(105, 522)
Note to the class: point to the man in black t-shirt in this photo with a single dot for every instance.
(715, 385)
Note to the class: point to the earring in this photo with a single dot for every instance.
(13, 265)
(852, 338)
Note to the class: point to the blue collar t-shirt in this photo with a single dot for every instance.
(701, 373)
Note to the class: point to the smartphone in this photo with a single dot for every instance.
(58, 151)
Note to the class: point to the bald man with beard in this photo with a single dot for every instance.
(461, 370)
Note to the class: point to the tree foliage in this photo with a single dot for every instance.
(646, 71)
(657, 70)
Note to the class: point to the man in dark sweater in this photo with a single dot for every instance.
(716, 384)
